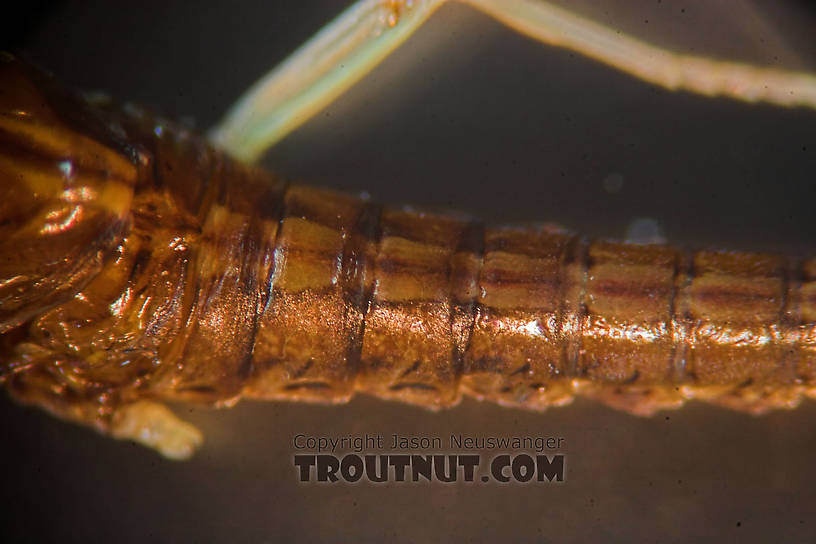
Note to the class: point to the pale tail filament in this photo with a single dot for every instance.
(319, 71)
(350, 46)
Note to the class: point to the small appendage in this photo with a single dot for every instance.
(152, 424)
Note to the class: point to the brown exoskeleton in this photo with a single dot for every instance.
(141, 265)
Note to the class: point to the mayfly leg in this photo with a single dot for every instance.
(351, 45)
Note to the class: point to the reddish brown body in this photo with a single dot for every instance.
(137, 262)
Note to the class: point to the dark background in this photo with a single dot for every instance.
(468, 116)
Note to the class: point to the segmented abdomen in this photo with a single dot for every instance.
(210, 280)
(421, 307)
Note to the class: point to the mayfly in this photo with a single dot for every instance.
(140, 265)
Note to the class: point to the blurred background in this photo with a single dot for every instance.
(469, 116)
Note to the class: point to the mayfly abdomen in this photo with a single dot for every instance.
(422, 307)
(139, 263)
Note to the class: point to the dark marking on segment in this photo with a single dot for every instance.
(300, 372)
(414, 386)
(411, 369)
(359, 264)
(633, 378)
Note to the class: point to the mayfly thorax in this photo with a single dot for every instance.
(141, 265)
